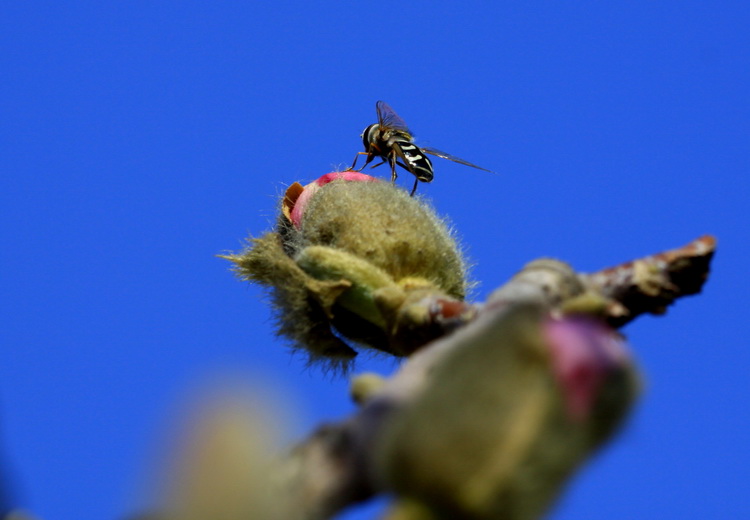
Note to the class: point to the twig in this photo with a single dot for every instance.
(341, 464)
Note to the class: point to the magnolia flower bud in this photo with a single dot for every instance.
(508, 417)
(359, 257)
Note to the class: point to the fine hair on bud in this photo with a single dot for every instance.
(346, 264)
(382, 224)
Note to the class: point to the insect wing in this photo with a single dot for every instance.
(388, 118)
(450, 157)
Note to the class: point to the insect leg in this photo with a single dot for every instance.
(374, 165)
(392, 161)
(356, 157)
(414, 189)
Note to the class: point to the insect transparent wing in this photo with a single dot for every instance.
(443, 155)
(388, 118)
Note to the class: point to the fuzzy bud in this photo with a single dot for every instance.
(508, 417)
(357, 258)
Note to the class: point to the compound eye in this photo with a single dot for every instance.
(368, 136)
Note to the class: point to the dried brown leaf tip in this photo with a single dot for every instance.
(357, 261)
(652, 283)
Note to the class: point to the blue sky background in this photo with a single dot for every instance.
(139, 139)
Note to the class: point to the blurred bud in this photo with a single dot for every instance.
(351, 254)
(508, 417)
(586, 354)
(221, 461)
(364, 386)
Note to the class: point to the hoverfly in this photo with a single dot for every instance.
(391, 140)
